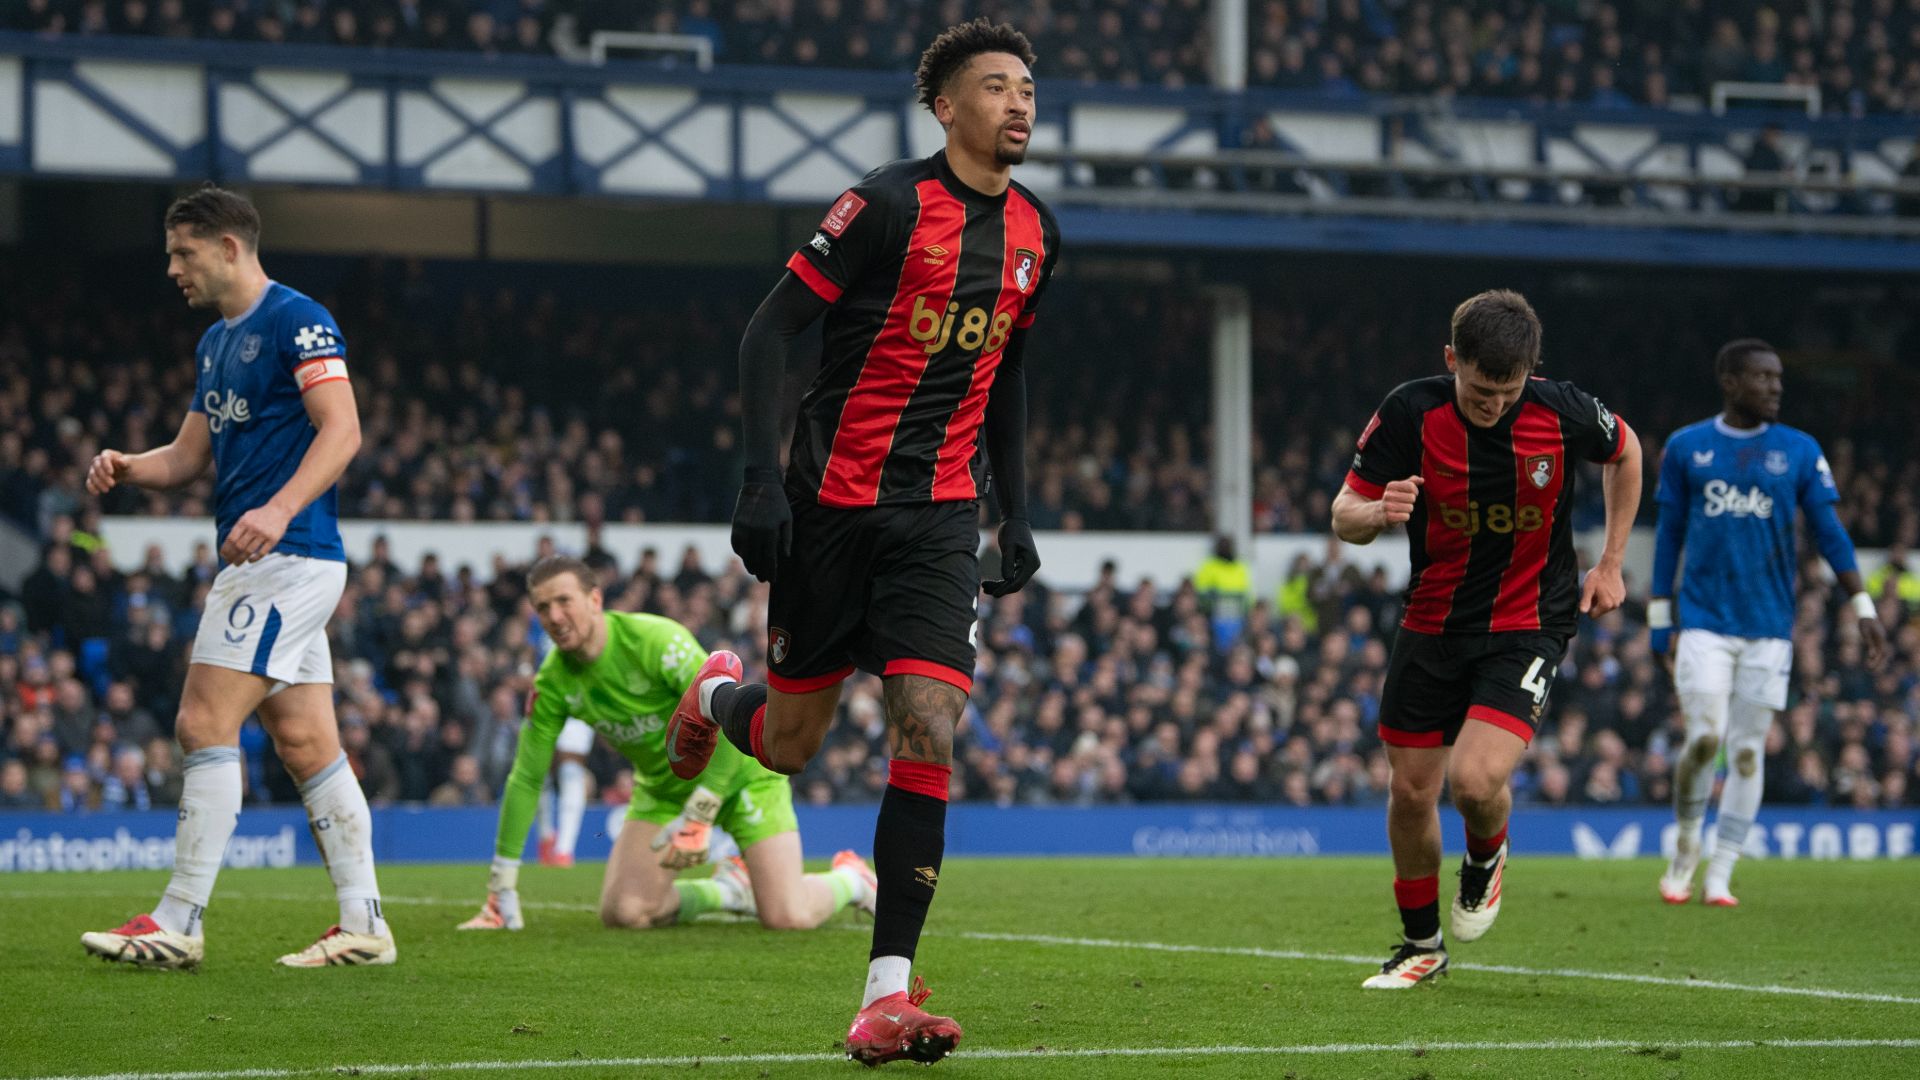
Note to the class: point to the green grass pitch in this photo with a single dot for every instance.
(1083, 968)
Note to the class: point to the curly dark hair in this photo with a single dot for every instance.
(958, 44)
(1498, 333)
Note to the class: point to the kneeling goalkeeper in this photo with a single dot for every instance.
(624, 673)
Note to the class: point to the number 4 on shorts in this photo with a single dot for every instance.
(1535, 682)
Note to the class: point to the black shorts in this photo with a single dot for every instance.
(1437, 682)
(892, 590)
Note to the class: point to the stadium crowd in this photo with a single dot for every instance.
(485, 400)
(1142, 689)
(1864, 55)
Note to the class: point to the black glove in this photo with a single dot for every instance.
(762, 523)
(1018, 558)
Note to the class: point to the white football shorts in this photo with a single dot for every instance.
(270, 618)
(1755, 669)
(575, 738)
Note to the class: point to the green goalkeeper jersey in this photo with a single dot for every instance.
(627, 695)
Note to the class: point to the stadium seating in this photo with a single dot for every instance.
(1864, 58)
(1124, 694)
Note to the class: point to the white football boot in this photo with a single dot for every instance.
(343, 948)
(1478, 902)
(143, 943)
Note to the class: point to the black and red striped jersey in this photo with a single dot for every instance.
(927, 278)
(1491, 534)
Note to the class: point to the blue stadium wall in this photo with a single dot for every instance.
(43, 843)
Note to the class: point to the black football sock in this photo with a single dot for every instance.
(1419, 901)
(733, 707)
(908, 842)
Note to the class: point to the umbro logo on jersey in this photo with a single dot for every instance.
(928, 875)
(936, 255)
(1703, 458)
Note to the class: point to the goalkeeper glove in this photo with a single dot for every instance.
(502, 909)
(683, 842)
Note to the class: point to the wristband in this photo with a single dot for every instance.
(1863, 606)
(1659, 613)
(505, 875)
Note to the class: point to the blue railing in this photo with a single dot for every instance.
(1127, 166)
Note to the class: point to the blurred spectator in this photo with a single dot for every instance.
(1224, 583)
(126, 787)
(162, 777)
(1895, 579)
(463, 786)
(78, 792)
(1763, 160)
(1908, 205)
(15, 792)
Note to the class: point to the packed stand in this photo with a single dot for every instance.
(484, 400)
(1144, 689)
(1157, 42)
(1863, 55)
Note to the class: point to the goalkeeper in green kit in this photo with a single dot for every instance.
(624, 673)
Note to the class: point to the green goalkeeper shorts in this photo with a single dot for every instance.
(761, 808)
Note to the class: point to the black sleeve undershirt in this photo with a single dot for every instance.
(1007, 428)
(789, 309)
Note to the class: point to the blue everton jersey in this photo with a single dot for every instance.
(1737, 491)
(251, 373)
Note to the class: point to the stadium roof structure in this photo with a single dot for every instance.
(1200, 169)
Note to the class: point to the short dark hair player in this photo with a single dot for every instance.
(928, 272)
(1479, 464)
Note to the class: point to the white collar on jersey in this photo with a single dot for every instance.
(1720, 425)
(255, 306)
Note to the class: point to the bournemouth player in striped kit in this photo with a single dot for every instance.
(1478, 464)
(928, 272)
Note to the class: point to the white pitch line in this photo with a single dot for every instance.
(1037, 1053)
(1502, 969)
(1256, 952)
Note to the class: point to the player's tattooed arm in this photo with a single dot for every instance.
(921, 714)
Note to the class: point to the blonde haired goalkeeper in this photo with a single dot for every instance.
(624, 673)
